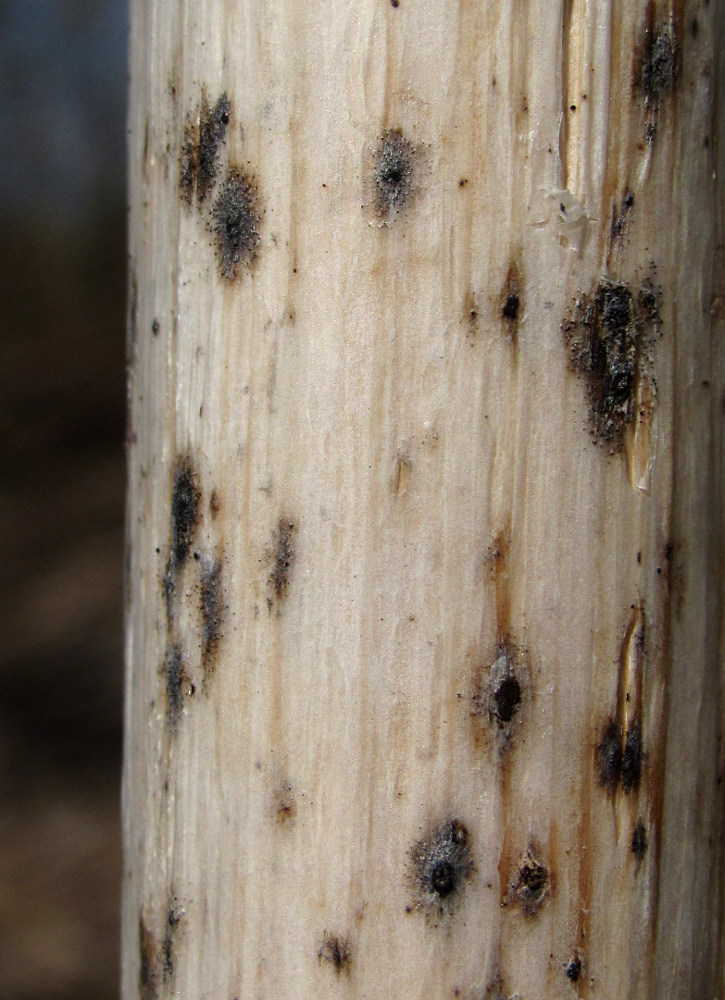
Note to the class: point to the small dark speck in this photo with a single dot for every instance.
(462, 182)
(395, 3)
(629, 199)
(155, 327)
(694, 27)
(572, 107)
(562, 207)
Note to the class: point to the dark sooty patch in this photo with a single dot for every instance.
(606, 336)
(393, 172)
(235, 220)
(440, 865)
(173, 919)
(335, 950)
(609, 756)
(621, 217)
(658, 67)
(199, 156)
(639, 841)
(177, 684)
(212, 132)
(212, 608)
(283, 555)
(184, 511)
(632, 758)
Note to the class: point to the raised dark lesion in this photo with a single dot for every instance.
(440, 865)
(532, 883)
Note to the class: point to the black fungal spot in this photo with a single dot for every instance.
(658, 64)
(335, 950)
(283, 554)
(184, 511)
(395, 3)
(235, 220)
(573, 969)
(607, 337)
(639, 842)
(199, 157)
(155, 327)
(440, 865)
(532, 884)
(393, 172)
(609, 756)
(212, 608)
(148, 972)
(632, 758)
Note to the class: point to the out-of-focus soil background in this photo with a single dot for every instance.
(62, 397)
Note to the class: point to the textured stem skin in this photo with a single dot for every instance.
(425, 522)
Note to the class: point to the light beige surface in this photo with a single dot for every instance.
(359, 382)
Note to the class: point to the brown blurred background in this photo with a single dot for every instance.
(62, 292)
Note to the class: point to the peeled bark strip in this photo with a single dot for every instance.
(426, 539)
